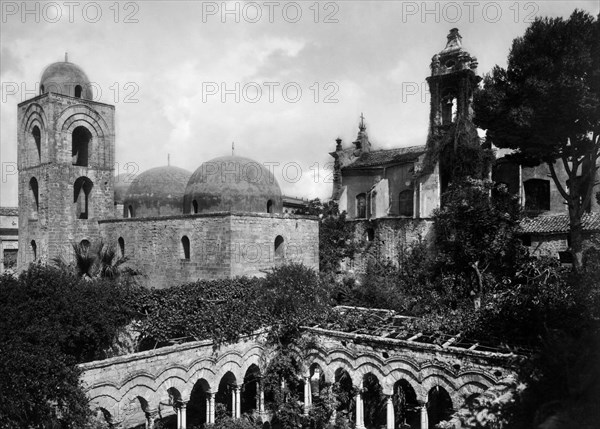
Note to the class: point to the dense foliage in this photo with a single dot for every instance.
(335, 236)
(546, 107)
(223, 310)
(51, 319)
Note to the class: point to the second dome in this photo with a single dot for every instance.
(232, 184)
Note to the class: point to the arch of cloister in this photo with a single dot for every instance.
(196, 379)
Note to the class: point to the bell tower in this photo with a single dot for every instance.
(451, 84)
(66, 161)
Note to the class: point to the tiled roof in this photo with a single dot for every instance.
(558, 224)
(386, 157)
(9, 211)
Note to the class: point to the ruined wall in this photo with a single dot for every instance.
(221, 245)
(389, 237)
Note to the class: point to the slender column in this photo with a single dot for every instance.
(424, 417)
(333, 417)
(183, 414)
(151, 418)
(207, 419)
(306, 395)
(390, 413)
(233, 412)
(360, 422)
(238, 407)
(212, 407)
(178, 412)
(261, 399)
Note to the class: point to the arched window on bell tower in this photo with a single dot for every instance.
(37, 138)
(34, 198)
(80, 146)
(449, 108)
(81, 197)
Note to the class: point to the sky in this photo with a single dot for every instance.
(279, 79)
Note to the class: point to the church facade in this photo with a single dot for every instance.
(391, 193)
(224, 220)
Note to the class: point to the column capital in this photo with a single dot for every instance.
(151, 412)
(116, 424)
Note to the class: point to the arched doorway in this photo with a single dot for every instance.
(406, 406)
(344, 393)
(250, 395)
(198, 408)
(439, 406)
(226, 397)
(374, 402)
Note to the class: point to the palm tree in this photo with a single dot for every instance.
(94, 261)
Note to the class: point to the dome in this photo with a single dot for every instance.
(67, 79)
(232, 184)
(122, 183)
(156, 192)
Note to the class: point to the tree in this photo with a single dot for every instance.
(336, 235)
(100, 261)
(475, 233)
(50, 320)
(546, 107)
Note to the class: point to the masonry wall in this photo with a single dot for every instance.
(253, 238)
(222, 245)
(390, 237)
(154, 247)
(553, 244)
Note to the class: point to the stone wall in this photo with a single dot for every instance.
(221, 244)
(383, 239)
(554, 244)
(253, 237)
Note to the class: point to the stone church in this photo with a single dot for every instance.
(223, 220)
(391, 193)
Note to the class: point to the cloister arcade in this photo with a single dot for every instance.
(375, 385)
